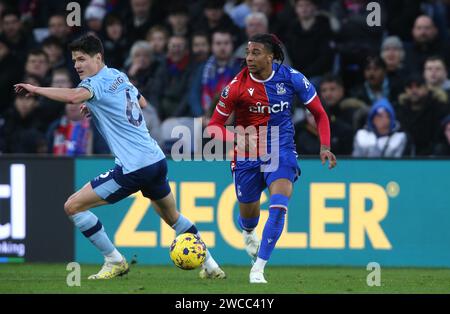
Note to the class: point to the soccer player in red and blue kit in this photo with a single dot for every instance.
(261, 97)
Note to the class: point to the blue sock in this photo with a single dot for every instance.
(93, 229)
(274, 225)
(248, 224)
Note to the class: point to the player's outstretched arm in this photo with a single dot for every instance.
(323, 127)
(64, 95)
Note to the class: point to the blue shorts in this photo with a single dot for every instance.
(250, 182)
(114, 185)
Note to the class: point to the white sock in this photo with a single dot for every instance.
(114, 257)
(259, 265)
(210, 264)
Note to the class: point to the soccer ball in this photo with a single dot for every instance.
(188, 251)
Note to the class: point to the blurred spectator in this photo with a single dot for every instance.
(20, 128)
(265, 7)
(393, 55)
(339, 108)
(436, 75)
(115, 42)
(144, 14)
(442, 148)
(158, 36)
(54, 50)
(94, 15)
(146, 73)
(10, 74)
(13, 34)
(437, 10)
(51, 110)
(376, 84)
(57, 27)
(239, 12)
(420, 111)
(257, 23)
(214, 18)
(73, 135)
(381, 136)
(178, 20)
(309, 41)
(401, 17)
(200, 47)
(175, 91)
(426, 43)
(355, 39)
(37, 64)
(217, 72)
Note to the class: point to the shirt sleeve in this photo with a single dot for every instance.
(93, 86)
(303, 87)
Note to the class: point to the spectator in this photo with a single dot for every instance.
(37, 65)
(436, 75)
(214, 18)
(10, 74)
(175, 94)
(51, 110)
(376, 85)
(94, 15)
(217, 72)
(355, 39)
(73, 135)
(146, 73)
(20, 128)
(115, 44)
(442, 148)
(401, 17)
(57, 27)
(144, 15)
(178, 20)
(13, 34)
(265, 7)
(309, 41)
(426, 43)
(257, 23)
(393, 55)
(239, 12)
(381, 136)
(420, 111)
(158, 36)
(200, 47)
(54, 50)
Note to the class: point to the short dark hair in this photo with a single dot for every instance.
(376, 60)
(436, 58)
(272, 43)
(89, 44)
(11, 11)
(52, 41)
(37, 52)
(331, 78)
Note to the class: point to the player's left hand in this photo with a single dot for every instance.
(27, 89)
(325, 153)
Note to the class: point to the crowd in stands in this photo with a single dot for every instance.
(385, 88)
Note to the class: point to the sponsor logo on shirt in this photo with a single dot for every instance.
(275, 108)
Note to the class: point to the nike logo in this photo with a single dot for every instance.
(251, 90)
(269, 241)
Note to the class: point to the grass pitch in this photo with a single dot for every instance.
(51, 278)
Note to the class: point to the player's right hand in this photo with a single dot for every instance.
(325, 154)
(26, 89)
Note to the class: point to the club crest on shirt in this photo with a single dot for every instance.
(280, 89)
(225, 92)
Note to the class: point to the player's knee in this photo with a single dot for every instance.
(70, 207)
